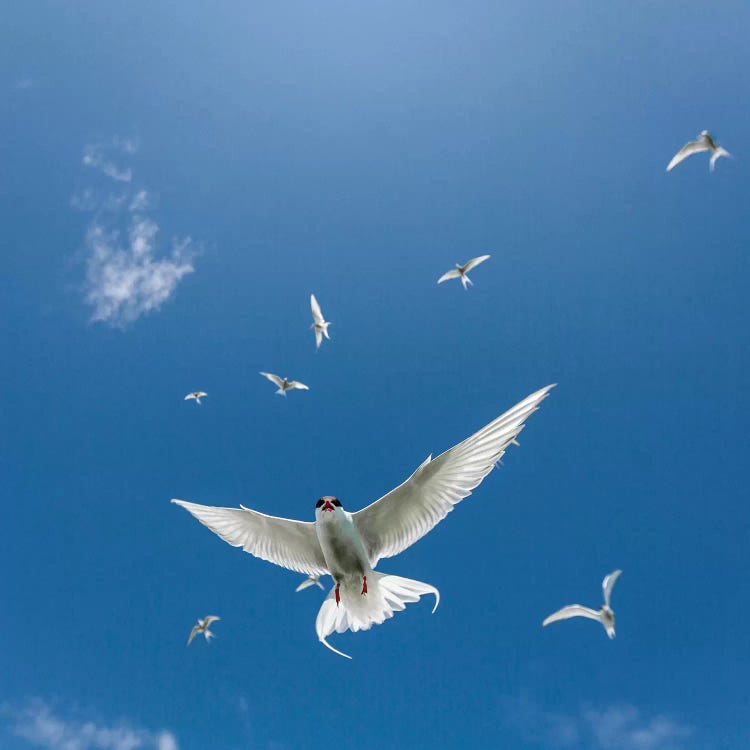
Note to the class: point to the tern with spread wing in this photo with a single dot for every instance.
(202, 627)
(284, 384)
(704, 142)
(348, 546)
(460, 271)
(197, 395)
(311, 581)
(320, 324)
(604, 614)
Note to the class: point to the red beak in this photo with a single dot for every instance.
(327, 506)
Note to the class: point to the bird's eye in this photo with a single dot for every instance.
(336, 502)
(319, 503)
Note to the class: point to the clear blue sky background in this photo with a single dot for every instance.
(359, 150)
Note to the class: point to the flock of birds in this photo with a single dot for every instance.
(348, 546)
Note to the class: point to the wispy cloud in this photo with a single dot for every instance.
(125, 277)
(619, 727)
(625, 728)
(101, 156)
(40, 727)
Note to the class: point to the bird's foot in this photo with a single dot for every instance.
(364, 585)
(338, 597)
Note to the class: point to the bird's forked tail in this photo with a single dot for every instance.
(385, 595)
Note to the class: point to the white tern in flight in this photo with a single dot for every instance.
(284, 384)
(320, 324)
(202, 627)
(460, 271)
(197, 395)
(348, 546)
(604, 614)
(705, 142)
(311, 581)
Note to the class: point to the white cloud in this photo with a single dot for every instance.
(97, 156)
(624, 728)
(124, 276)
(620, 727)
(41, 728)
(124, 279)
(93, 156)
(140, 201)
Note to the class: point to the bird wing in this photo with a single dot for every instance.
(201, 394)
(573, 610)
(474, 262)
(318, 338)
(397, 520)
(189, 396)
(690, 148)
(273, 378)
(608, 583)
(452, 274)
(210, 619)
(297, 384)
(196, 629)
(315, 307)
(291, 544)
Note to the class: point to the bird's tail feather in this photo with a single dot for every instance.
(385, 595)
(715, 155)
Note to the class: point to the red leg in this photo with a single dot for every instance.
(338, 598)
(364, 585)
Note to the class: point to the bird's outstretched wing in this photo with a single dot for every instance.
(210, 619)
(318, 338)
(189, 396)
(608, 583)
(393, 523)
(572, 610)
(297, 384)
(453, 274)
(690, 148)
(316, 313)
(196, 629)
(273, 378)
(282, 541)
(474, 262)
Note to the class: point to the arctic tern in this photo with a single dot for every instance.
(460, 271)
(604, 614)
(348, 546)
(705, 142)
(202, 627)
(320, 324)
(284, 384)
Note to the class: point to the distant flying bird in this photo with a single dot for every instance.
(460, 271)
(284, 384)
(197, 395)
(348, 546)
(705, 142)
(320, 324)
(311, 581)
(604, 614)
(202, 627)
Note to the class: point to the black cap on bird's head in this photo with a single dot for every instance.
(328, 503)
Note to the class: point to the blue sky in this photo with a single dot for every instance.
(175, 180)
